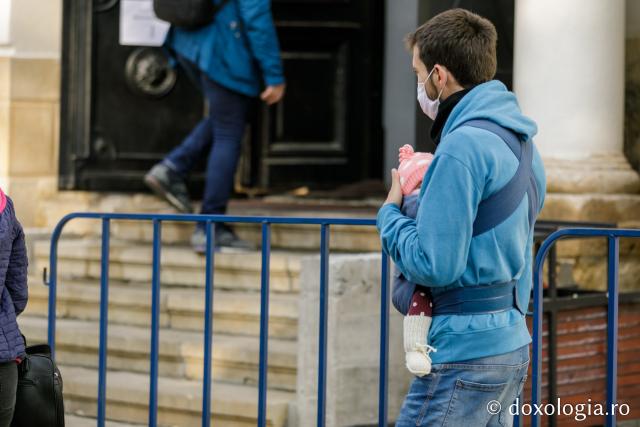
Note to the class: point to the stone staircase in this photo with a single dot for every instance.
(236, 316)
(236, 323)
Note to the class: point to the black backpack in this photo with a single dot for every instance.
(189, 14)
(39, 395)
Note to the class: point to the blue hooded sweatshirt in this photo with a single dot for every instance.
(437, 249)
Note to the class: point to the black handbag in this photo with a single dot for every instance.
(39, 396)
(189, 14)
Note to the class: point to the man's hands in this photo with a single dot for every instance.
(273, 94)
(395, 193)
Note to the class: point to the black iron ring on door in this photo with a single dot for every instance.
(148, 72)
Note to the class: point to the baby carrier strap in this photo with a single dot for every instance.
(496, 208)
(492, 211)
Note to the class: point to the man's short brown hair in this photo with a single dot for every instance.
(463, 42)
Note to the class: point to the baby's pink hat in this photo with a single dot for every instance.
(413, 166)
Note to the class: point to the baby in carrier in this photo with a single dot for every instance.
(411, 299)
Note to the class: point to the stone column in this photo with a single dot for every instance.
(569, 77)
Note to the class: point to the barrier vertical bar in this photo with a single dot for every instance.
(208, 326)
(264, 324)
(155, 317)
(322, 338)
(536, 367)
(552, 334)
(53, 290)
(384, 342)
(104, 312)
(612, 328)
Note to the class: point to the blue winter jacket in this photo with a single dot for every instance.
(13, 281)
(238, 50)
(438, 250)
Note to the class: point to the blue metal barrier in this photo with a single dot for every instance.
(613, 236)
(209, 220)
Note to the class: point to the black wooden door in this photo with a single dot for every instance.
(122, 111)
(327, 131)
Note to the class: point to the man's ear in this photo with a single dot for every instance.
(441, 75)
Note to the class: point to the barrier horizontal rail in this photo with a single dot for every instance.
(208, 221)
(613, 236)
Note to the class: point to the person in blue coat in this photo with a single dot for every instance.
(13, 301)
(234, 59)
(483, 355)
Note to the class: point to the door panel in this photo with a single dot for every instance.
(327, 131)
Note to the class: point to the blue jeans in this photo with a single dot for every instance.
(217, 137)
(463, 394)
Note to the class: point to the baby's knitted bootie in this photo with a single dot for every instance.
(416, 329)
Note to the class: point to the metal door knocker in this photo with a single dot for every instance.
(147, 72)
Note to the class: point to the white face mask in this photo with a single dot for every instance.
(429, 106)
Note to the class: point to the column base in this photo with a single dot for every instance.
(601, 188)
(601, 173)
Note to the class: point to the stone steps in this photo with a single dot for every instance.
(234, 312)
(179, 400)
(236, 326)
(80, 421)
(129, 261)
(283, 236)
(235, 358)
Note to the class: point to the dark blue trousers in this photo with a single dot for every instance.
(217, 137)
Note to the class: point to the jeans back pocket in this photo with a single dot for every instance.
(473, 401)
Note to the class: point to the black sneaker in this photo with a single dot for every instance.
(224, 237)
(168, 185)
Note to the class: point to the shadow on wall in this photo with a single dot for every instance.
(632, 103)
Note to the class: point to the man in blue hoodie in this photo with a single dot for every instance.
(233, 60)
(482, 348)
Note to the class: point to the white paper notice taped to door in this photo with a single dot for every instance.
(139, 25)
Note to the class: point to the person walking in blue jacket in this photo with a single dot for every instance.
(13, 301)
(471, 240)
(234, 59)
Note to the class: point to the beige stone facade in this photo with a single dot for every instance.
(601, 186)
(29, 129)
(592, 176)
